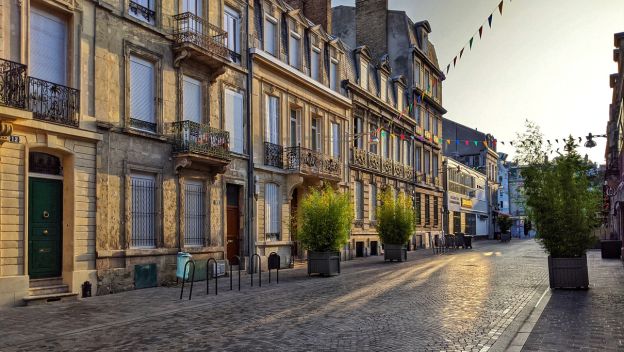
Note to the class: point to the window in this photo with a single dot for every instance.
(427, 83)
(418, 209)
(385, 144)
(400, 98)
(192, 105)
(372, 147)
(192, 6)
(427, 211)
(234, 122)
(427, 160)
(408, 156)
(435, 165)
(417, 74)
(396, 146)
(293, 46)
(143, 10)
(434, 122)
(143, 214)
(372, 202)
(295, 128)
(418, 158)
(427, 121)
(272, 211)
(364, 74)
(142, 97)
(383, 89)
(316, 134)
(231, 24)
(359, 201)
(272, 119)
(358, 137)
(194, 214)
(270, 35)
(48, 47)
(435, 211)
(418, 115)
(456, 222)
(315, 61)
(335, 140)
(333, 75)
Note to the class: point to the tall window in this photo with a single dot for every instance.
(427, 121)
(272, 211)
(293, 46)
(359, 201)
(385, 144)
(427, 162)
(417, 114)
(408, 156)
(270, 35)
(316, 134)
(272, 120)
(192, 109)
(434, 122)
(435, 211)
(333, 74)
(142, 93)
(417, 74)
(435, 165)
(399, 98)
(372, 147)
(396, 146)
(143, 217)
(315, 61)
(335, 140)
(231, 24)
(383, 89)
(234, 120)
(372, 202)
(418, 209)
(358, 137)
(427, 211)
(143, 10)
(48, 47)
(418, 158)
(194, 214)
(364, 74)
(427, 81)
(295, 127)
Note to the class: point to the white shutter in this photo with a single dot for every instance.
(314, 65)
(294, 51)
(272, 208)
(234, 119)
(48, 47)
(141, 90)
(272, 120)
(192, 108)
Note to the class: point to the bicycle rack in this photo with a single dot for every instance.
(216, 276)
(273, 257)
(239, 271)
(259, 269)
(184, 277)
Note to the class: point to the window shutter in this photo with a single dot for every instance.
(192, 6)
(234, 119)
(272, 208)
(141, 90)
(272, 122)
(48, 47)
(192, 99)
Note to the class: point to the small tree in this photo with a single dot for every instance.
(504, 223)
(325, 218)
(395, 218)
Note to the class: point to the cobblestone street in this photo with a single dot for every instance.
(466, 300)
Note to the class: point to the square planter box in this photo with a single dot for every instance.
(568, 272)
(396, 252)
(611, 249)
(324, 263)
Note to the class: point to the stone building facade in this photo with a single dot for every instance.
(48, 153)
(170, 105)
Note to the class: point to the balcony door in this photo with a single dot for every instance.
(192, 6)
(48, 47)
(192, 105)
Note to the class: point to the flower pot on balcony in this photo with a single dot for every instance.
(568, 272)
(611, 249)
(394, 252)
(324, 263)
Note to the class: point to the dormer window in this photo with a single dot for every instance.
(294, 45)
(383, 89)
(334, 74)
(270, 35)
(399, 97)
(315, 58)
(364, 74)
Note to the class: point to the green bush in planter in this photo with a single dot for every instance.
(325, 217)
(561, 202)
(504, 223)
(395, 218)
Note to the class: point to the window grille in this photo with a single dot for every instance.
(143, 188)
(194, 214)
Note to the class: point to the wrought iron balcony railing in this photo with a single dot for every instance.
(310, 161)
(145, 11)
(53, 102)
(12, 84)
(273, 155)
(192, 29)
(199, 138)
(374, 162)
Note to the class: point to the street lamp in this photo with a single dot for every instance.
(590, 143)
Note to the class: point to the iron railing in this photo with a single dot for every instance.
(143, 125)
(53, 102)
(192, 29)
(145, 11)
(12, 84)
(273, 155)
(199, 138)
(374, 162)
(236, 57)
(310, 161)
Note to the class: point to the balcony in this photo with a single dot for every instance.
(200, 145)
(53, 102)
(313, 163)
(145, 12)
(273, 155)
(373, 162)
(197, 38)
(12, 84)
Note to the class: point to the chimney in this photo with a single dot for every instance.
(371, 25)
(317, 11)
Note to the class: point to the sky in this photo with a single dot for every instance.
(544, 60)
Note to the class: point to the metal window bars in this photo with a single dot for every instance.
(143, 212)
(192, 29)
(147, 12)
(273, 155)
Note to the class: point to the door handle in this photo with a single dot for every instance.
(46, 214)
(45, 232)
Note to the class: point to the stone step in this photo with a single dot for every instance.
(56, 297)
(48, 290)
(48, 281)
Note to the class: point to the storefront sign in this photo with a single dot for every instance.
(466, 203)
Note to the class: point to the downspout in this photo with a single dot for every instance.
(250, 161)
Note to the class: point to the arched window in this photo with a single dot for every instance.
(43, 163)
(272, 212)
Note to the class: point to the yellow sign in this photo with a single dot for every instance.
(419, 130)
(466, 203)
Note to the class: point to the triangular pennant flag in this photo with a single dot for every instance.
(448, 141)
(456, 141)
(448, 67)
(476, 143)
(511, 143)
(471, 39)
(461, 53)
(467, 142)
(548, 140)
(500, 7)
(480, 32)
(580, 139)
(412, 137)
(556, 140)
(454, 61)
(490, 20)
(503, 142)
(485, 143)
(402, 136)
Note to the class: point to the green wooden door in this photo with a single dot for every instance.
(45, 216)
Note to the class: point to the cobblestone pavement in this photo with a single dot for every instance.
(584, 320)
(466, 300)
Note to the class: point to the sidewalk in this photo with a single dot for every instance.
(584, 320)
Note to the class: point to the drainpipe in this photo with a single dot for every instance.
(250, 161)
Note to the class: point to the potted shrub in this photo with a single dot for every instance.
(395, 224)
(504, 224)
(562, 206)
(325, 217)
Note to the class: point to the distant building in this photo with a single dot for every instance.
(503, 181)
(517, 208)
